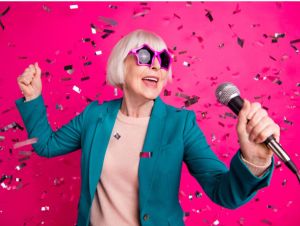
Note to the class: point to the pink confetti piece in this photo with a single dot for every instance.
(25, 142)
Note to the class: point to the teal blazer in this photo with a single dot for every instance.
(172, 137)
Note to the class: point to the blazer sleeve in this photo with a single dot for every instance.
(49, 143)
(229, 188)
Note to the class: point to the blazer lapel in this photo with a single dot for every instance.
(151, 147)
(105, 123)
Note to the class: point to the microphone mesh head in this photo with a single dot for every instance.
(225, 92)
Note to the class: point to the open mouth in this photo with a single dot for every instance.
(150, 82)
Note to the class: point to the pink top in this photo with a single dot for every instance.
(116, 198)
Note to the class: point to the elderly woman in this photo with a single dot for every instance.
(133, 147)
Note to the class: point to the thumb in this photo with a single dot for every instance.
(37, 69)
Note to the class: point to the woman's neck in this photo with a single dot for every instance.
(136, 108)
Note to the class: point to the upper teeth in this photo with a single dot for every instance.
(151, 79)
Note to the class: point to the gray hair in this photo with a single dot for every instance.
(115, 65)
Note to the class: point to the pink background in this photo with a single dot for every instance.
(45, 191)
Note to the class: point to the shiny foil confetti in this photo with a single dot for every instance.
(73, 6)
(209, 16)
(237, 9)
(12, 125)
(109, 21)
(93, 29)
(186, 64)
(107, 32)
(76, 89)
(240, 42)
(112, 6)
(69, 69)
(25, 143)
(21, 166)
(117, 135)
(3, 14)
(191, 101)
(98, 52)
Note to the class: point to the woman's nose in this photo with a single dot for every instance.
(156, 64)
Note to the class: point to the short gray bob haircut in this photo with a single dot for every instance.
(115, 65)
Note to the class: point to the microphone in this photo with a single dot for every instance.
(229, 95)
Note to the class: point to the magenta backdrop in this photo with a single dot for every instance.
(204, 40)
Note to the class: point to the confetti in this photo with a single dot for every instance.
(284, 182)
(141, 12)
(287, 121)
(109, 21)
(112, 6)
(69, 69)
(45, 208)
(293, 46)
(87, 63)
(198, 194)
(107, 33)
(85, 78)
(266, 221)
(13, 125)
(145, 154)
(237, 9)
(73, 6)
(167, 92)
(115, 91)
(185, 63)
(21, 166)
(117, 135)
(191, 101)
(209, 16)
(182, 95)
(46, 8)
(216, 222)
(25, 142)
(2, 14)
(98, 52)
(94, 29)
(58, 181)
(240, 42)
(76, 89)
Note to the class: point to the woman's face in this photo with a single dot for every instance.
(139, 79)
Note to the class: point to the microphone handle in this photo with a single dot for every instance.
(236, 104)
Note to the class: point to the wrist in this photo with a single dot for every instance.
(30, 98)
(257, 162)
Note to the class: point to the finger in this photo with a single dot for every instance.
(244, 111)
(254, 108)
(25, 79)
(256, 118)
(255, 131)
(267, 132)
(37, 69)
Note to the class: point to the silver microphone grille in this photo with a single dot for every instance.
(225, 92)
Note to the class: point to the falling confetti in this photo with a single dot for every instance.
(73, 6)
(69, 69)
(25, 142)
(76, 89)
(240, 42)
(1, 15)
(117, 135)
(209, 16)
